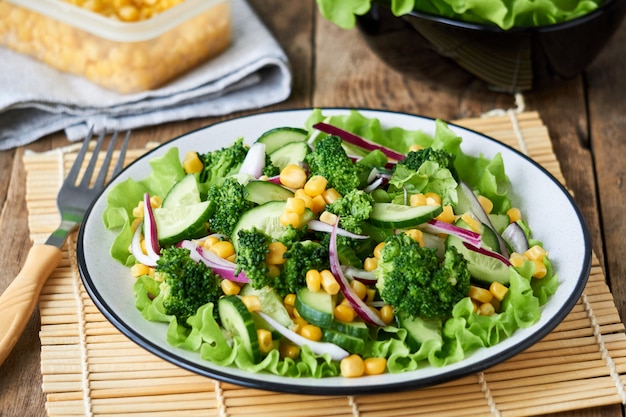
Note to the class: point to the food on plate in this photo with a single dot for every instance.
(337, 248)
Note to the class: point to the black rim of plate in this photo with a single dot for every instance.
(291, 384)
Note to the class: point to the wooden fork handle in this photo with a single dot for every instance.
(20, 298)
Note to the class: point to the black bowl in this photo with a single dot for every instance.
(513, 60)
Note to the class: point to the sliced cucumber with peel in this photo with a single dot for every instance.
(271, 303)
(398, 216)
(261, 192)
(181, 222)
(316, 307)
(238, 321)
(291, 153)
(350, 343)
(184, 192)
(278, 137)
(483, 269)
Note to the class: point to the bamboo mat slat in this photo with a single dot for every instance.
(90, 369)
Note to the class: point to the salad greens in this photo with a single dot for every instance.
(448, 325)
(502, 13)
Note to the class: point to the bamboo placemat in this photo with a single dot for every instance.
(90, 369)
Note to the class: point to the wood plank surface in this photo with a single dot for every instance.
(585, 118)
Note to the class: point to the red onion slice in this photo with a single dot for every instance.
(357, 140)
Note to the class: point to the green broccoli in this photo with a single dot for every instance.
(330, 160)
(229, 203)
(299, 258)
(270, 170)
(444, 159)
(414, 281)
(220, 164)
(251, 254)
(353, 209)
(186, 284)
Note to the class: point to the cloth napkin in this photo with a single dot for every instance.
(36, 100)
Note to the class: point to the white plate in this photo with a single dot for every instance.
(548, 207)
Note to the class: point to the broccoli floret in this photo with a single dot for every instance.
(228, 200)
(186, 284)
(251, 254)
(220, 164)
(414, 281)
(330, 160)
(444, 159)
(353, 209)
(299, 258)
(270, 170)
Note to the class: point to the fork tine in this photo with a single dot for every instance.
(92, 163)
(78, 162)
(104, 169)
(122, 155)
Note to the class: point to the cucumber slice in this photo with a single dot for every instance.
(487, 235)
(315, 307)
(261, 192)
(291, 153)
(398, 216)
(356, 329)
(265, 218)
(421, 331)
(350, 343)
(483, 269)
(185, 192)
(499, 221)
(238, 321)
(271, 304)
(181, 222)
(277, 138)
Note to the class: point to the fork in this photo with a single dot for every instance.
(19, 299)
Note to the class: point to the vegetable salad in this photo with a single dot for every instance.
(335, 248)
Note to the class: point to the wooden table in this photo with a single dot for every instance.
(586, 118)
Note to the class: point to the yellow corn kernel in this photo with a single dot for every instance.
(377, 249)
(139, 270)
(128, 13)
(295, 205)
(498, 290)
(265, 340)
(273, 271)
(359, 289)
(514, 214)
(289, 300)
(433, 199)
(517, 259)
(535, 253)
(472, 222)
(210, 241)
(298, 322)
(540, 269)
(138, 210)
(328, 217)
(192, 163)
(231, 258)
(485, 203)
(293, 176)
(318, 204)
(275, 254)
(229, 287)
(316, 185)
(156, 201)
(371, 294)
(223, 249)
(352, 366)
(329, 282)
(311, 332)
(416, 235)
(135, 224)
(486, 309)
(416, 200)
(290, 219)
(288, 350)
(308, 200)
(415, 147)
(330, 195)
(447, 215)
(252, 302)
(375, 366)
(370, 264)
(313, 280)
(344, 312)
(479, 294)
(386, 314)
